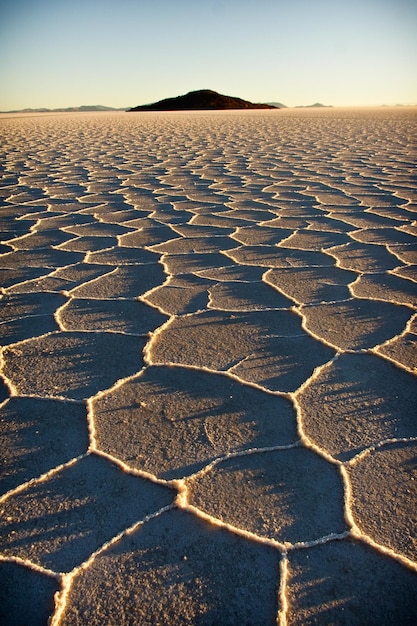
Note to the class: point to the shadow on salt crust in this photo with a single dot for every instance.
(273, 256)
(180, 295)
(150, 233)
(66, 278)
(191, 245)
(356, 324)
(123, 256)
(312, 284)
(25, 328)
(314, 240)
(41, 240)
(386, 287)
(27, 315)
(360, 257)
(89, 244)
(269, 493)
(60, 522)
(26, 597)
(346, 583)
(72, 365)
(123, 316)
(39, 258)
(237, 296)
(37, 435)
(356, 402)
(266, 347)
(178, 570)
(126, 281)
(389, 475)
(29, 305)
(175, 420)
(12, 277)
(194, 262)
(403, 350)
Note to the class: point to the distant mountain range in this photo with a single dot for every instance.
(201, 100)
(316, 105)
(84, 108)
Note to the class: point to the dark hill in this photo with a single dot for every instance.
(202, 100)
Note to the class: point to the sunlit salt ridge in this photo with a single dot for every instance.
(208, 368)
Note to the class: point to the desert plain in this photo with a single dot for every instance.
(208, 368)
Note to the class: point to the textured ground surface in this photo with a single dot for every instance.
(208, 394)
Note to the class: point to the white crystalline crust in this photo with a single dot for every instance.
(208, 394)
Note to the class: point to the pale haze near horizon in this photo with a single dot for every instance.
(125, 53)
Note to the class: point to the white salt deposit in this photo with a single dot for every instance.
(209, 389)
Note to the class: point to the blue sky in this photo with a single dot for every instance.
(127, 52)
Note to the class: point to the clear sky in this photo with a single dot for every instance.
(56, 53)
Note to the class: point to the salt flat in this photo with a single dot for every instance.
(208, 394)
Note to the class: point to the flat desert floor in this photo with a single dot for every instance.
(208, 373)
